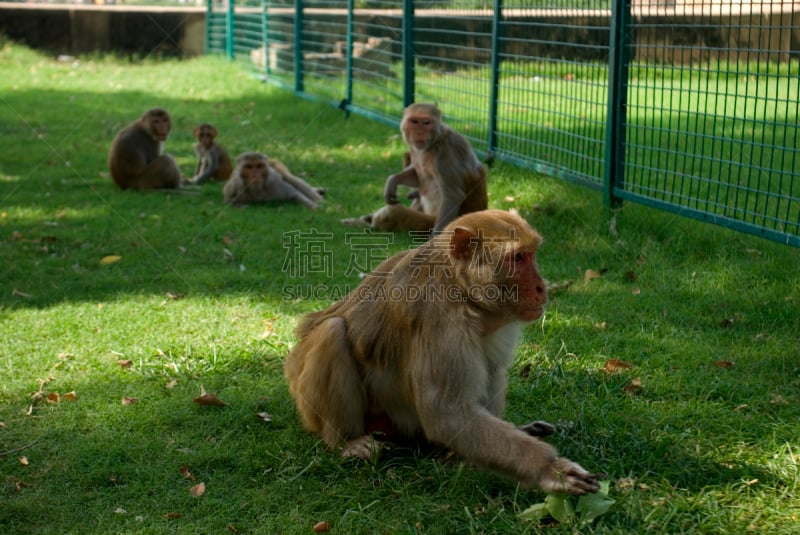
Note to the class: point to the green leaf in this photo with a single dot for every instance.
(534, 513)
(560, 507)
(591, 506)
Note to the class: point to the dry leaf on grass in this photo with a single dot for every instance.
(171, 515)
(590, 274)
(557, 286)
(125, 363)
(23, 460)
(634, 387)
(186, 473)
(616, 365)
(198, 490)
(724, 364)
(322, 527)
(71, 396)
(110, 259)
(265, 416)
(127, 400)
(209, 399)
(53, 397)
(269, 329)
(777, 399)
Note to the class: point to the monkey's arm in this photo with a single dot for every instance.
(406, 177)
(453, 196)
(208, 164)
(452, 414)
(233, 191)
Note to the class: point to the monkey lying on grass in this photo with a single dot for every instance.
(258, 179)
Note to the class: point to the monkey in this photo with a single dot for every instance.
(441, 164)
(136, 158)
(257, 179)
(213, 161)
(423, 345)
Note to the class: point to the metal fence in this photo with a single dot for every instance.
(689, 107)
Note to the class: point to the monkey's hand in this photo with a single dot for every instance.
(539, 428)
(363, 447)
(567, 476)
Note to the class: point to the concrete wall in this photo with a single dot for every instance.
(671, 34)
(79, 29)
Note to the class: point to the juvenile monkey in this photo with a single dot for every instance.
(258, 179)
(213, 161)
(422, 347)
(136, 158)
(441, 164)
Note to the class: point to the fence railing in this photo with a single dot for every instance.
(689, 107)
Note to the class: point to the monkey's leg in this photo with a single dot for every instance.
(163, 172)
(326, 384)
(304, 188)
(396, 217)
(305, 201)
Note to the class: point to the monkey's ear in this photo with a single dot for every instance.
(196, 131)
(214, 131)
(462, 243)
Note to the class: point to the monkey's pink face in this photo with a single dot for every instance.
(420, 130)
(159, 127)
(206, 137)
(253, 171)
(531, 290)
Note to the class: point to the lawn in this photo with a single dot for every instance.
(669, 356)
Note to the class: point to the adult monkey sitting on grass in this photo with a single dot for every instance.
(422, 347)
(136, 159)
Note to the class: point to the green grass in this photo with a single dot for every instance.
(197, 299)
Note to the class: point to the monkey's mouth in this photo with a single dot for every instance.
(531, 314)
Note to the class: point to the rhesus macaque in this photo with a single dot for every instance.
(422, 347)
(213, 161)
(136, 158)
(258, 179)
(442, 165)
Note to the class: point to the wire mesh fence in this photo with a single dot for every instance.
(687, 106)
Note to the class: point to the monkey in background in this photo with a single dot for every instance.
(259, 179)
(136, 158)
(213, 161)
(422, 348)
(441, 164)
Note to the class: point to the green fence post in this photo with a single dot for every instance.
(619, 58)
(229, 28)
(265, 35)
(299, 86)
(408, 52)
(495, 88)
(348, 97)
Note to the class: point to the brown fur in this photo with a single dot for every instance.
(135, 158)
(424, 343)
(213, 161)
(258, 179)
